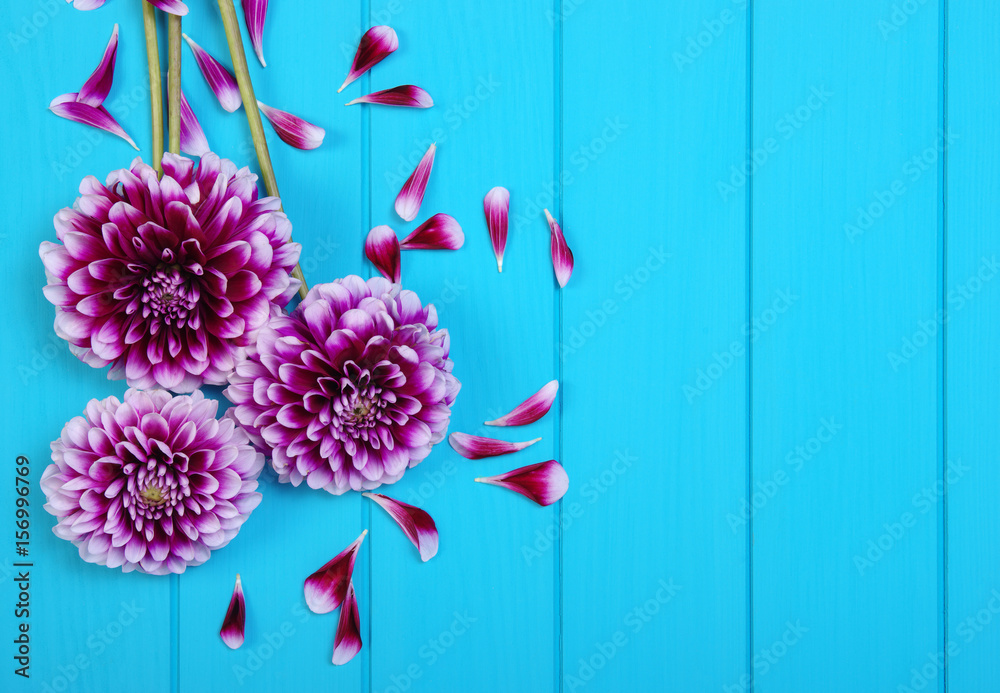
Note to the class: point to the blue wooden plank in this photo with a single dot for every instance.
(655, 411)
(973, 302)
(845, 437)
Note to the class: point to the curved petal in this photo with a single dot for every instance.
(531, 409)
(416, 524)
(544, 483)
(96, 88)
(382, 248)
(405, 95)
(347, 641)
(562, 256)
(412, 194)
(66, 106)
(293, 130)
(254, 12)
(496, 205)
(234, 623)
(221, 81)
(440, 232)
(374, 47)
(193, 140)
(477, 447)
(326, 589)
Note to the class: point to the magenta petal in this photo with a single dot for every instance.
(218, 77)
(416, 524)
(326, 589)
(412, 195)
(254, 12)
(382, 248)
(477, 447)
(96, 88)
(544, 483)
(66, 106)
(374, 47)
(171, 6)
(87, 4)
(405, 95)
(234, 623)
(562, 256)
(440, 232)
(531, 409)
(193, 140)
(496, 204)
(347, 641)
(293, 130)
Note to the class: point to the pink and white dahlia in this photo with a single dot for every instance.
(351, 389)
(169, 279)
(154, 483)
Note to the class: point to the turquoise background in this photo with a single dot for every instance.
(782, 450)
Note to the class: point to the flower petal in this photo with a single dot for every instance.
(218, 77)
(254, 12)
(171, 6)
(293, 130)
(496, 204)
(347, 641)
(87, 4)
(374, 47)
(477, 447)
(326, 589)
(382, 248)
(544, 483)
(405, 95)
(66, 106)
(96, 88)
(531, 409)
(440, 232)
(412, 194)
(193, 140)
(416, 524)
(562, 256)
(234, 623)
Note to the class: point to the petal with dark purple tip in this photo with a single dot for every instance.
(96, 88)
(374, 47)
(531, 409)
(412, 194)
(221, 81)
(544, 483)
(562, 256)
(171, 6)
(477, 447)
(254, 12)
(66, 106)
(440, 232)
(382, 248)
(234, 623)
(496, 205)
(405, 95)
(193, 140)
(326, 589)
(416, 524)
(293, 130)
(347, 641)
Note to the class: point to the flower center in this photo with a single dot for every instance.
(153, 495)
(168, 295)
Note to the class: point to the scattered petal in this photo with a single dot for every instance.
(562, 256)
(374, 47)
(406, 95)
(326, 589)
(234, 623)
(96, 88)
(193, 140)
(254, 12)
(293, 130)
(87, 4)
(477, 447)
(412, 195)
(382, 248)
(66, 106)
(218, 77)
(416, 524)
(544, 483)
(496, 204)
(440, 232)
(347, 641)
(171, 6)
(531, 409)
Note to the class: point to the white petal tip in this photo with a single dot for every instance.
(363, 533)
(548, 217)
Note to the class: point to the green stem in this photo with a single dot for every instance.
(174, 82)
(155, 86)
(235, 40)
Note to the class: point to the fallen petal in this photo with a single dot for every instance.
(412, 195)
(544, 483)
(347, 641)
(96, 88)
(406, 95)
(531, 409)
(382, 248)
(234, 623)
(218, 77)
(440, 232)
(171, 6)
(477, 447)
(66, 106)
(416, 524)
(193, 140)
(496, 204)
(254, 12)
(374, 47)
(293, 130)
(87, 4)
(326, 589)
(562, 256)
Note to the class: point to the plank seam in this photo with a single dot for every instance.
(749, 317)
(557, 175)
(944, 343)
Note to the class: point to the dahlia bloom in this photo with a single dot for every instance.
(351, 389)
(154, 483)
(169, 280)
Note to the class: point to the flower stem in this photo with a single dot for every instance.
(235, 40)
(174, 82)
(155, 86)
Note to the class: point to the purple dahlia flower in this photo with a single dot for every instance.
(169, 280)
(351, 389)
(154, 483)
